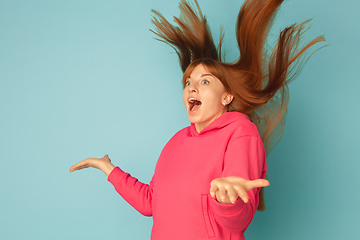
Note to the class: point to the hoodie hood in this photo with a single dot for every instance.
(224, 120)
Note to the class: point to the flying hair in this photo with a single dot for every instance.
(259, 78)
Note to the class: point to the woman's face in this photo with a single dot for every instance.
(204, 97)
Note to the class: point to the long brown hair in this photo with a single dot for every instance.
(258, 78)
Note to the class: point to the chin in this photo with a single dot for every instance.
(193, 119)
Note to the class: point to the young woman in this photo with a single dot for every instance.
(208, 177)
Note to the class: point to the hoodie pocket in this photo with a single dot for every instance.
(208, 218)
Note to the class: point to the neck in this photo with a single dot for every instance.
(200, 126)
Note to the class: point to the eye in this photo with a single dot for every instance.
(187, 83)
(205, 82)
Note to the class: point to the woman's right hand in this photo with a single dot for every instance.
(104, 164)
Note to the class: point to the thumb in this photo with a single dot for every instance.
(107, 157)
(257, 183)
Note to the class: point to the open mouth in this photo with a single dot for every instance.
(194, 104)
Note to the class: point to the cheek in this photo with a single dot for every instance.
(213, 98)
(184, 98)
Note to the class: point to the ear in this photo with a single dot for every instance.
(227, 98)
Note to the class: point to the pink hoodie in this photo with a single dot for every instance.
(178, 196)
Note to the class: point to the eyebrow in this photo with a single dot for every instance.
(207, 74)
(204, 75)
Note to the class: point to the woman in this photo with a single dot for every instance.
(218, 146)
(208, 177)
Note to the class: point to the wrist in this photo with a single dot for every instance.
(107, 168)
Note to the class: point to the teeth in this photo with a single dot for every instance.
(191, 100)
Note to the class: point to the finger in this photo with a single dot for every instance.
(80, 165)
(213, 189)
(256, 184)
(76, 167)
(232, 195)
(222, 195)
(242, 193)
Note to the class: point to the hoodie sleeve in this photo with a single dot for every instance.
(136, 193)
(244, 157)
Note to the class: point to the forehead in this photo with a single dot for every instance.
(199, 71)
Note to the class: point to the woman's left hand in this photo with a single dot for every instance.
(229, 189)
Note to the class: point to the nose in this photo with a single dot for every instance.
(192, 88)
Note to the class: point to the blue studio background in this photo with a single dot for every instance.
(85, 78)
